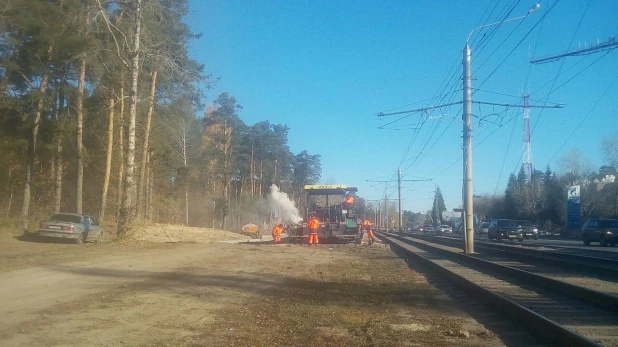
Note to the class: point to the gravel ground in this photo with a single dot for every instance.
(572, 276)
(200, 294)
(589, 320)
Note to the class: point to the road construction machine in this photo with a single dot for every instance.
(338, 220)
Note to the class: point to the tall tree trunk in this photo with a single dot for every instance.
(261, 175)
(146, 200)
(149, 186)
(108, 161)
(79, 100)
(25, 207)
(126, 216)
(121, 129)
(59, 163)
(145, 148)
(55, 133)
(275, 173)
(8, 208)
(251, 174)
(184, 157)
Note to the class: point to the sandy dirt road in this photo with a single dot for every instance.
(227, 295)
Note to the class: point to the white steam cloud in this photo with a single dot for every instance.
(279, 201)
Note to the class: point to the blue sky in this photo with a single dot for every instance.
(326, 68)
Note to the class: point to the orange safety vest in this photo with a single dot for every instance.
(313, 223)
(277, 229)
(366, 223)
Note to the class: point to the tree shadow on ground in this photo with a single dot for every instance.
(35, 238)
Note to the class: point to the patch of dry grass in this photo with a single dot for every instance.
(367, 298)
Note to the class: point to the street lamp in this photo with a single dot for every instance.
(468, 219)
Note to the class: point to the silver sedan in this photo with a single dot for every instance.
(78, 227)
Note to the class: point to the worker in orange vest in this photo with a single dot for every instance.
(369, 229)
(313, 224)
(277, 230)
(366, 224)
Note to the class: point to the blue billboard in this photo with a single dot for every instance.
(574, 214)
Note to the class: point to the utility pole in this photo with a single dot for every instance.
(376, 212)
(467, 152)
(399, 188)
(527, 164)
(467, 189)
(386, 210)
(399, 180)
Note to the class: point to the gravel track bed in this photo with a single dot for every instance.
(587, 319)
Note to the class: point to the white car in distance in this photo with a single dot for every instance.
(447, 229)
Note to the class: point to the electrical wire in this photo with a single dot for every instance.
(520, 42)
(428, 138)
(551, 89)
(584, 118)
(508, 147)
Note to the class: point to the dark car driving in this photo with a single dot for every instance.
(603, 231)
(505, 229)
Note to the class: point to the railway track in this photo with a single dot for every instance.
(603, 267)
(556, 311)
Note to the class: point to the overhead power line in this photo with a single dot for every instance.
(584, 119)
(611, 43)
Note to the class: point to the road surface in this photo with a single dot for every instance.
(225, 294)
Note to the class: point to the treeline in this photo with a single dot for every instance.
(98, 105)
(542, 198)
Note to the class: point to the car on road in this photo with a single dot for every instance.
(78, 227)
(504, 229)
(530, 231)
(603, 231)
(483, 229)
(447, 229)
(427, 228)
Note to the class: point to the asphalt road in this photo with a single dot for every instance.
(562, 245)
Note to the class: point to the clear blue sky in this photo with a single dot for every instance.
(326, 68)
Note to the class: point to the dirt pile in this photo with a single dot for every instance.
(177, 233)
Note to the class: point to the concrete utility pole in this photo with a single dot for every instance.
(527, 164)
(467, 136)
(386, 221)
(399, 188)
(467, 152)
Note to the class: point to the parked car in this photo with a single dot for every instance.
(530, 231)
(445, 229)
(483, 228)
(78, 227)
(505, 229)
(603, 231)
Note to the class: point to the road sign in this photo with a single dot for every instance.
(574, 207)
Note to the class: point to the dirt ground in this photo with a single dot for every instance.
(221, 294)
(178, 233)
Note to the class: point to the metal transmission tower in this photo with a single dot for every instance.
(467, 130)
(527, 164)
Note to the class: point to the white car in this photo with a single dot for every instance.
(445, 229)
